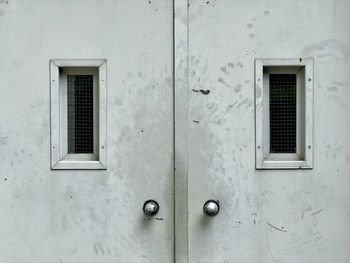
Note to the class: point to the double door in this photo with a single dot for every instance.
(184, 113)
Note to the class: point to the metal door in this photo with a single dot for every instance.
(87, 215)
(267, 215)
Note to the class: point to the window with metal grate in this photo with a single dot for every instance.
(80, 114)
(283, 113)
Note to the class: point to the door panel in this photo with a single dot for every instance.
(96, 216)
(87, 215)
(266, 215)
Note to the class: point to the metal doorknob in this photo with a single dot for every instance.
(211, 208)
(151, 207)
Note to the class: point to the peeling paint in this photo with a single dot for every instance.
(204, 92)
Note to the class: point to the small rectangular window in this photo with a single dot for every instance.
(78, 114)
(284, 113)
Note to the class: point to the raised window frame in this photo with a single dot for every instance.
(303, 158)
(60, 159)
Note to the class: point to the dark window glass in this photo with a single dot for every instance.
(80, 114)
(283, 110)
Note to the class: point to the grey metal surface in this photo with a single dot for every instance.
(95, 216)
(181, 64)
(267, 216)
(87, 216)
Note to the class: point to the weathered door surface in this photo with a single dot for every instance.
(260, 104)
(87, 215)
(267, 215)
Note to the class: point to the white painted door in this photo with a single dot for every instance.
(269, 215)
(87, 215)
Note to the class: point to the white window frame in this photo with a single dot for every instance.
(303, 158)
(60, 159)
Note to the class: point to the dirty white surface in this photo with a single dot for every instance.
(95, 216)
(87, 216)
(267, 216)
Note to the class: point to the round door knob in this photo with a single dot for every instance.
(211, 208)
(151, 207)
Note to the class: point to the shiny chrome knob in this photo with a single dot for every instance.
(151, 207)
(211, 208)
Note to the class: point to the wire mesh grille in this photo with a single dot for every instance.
(283, 106)
(80, 114)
